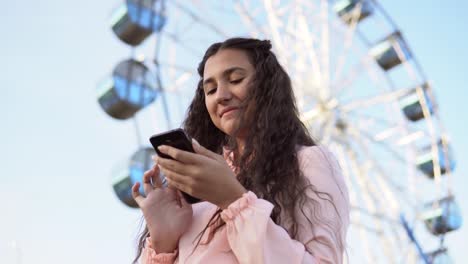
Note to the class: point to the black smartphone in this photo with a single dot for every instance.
(176, 138)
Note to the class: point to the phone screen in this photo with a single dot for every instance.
(176, 138)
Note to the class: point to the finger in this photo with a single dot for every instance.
(170, 186)
(156, 177)
(178, 181)
(173, 176)
(178, 154)
(203, 151)
(174, 186)
(136, 194)
(176, 166)
(147, 186)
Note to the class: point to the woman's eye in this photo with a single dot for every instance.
(236, 81)
(211, 91)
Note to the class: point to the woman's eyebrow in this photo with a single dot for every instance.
(226, 72)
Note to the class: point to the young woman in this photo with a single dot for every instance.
(270, 194)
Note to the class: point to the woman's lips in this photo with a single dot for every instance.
(228, 111)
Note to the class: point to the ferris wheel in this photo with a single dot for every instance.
(360, 91)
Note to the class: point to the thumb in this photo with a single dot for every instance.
(202, 150)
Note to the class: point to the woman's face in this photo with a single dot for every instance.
(226, 80)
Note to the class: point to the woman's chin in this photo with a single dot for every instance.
(235, 132)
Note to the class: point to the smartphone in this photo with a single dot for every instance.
(176, 138)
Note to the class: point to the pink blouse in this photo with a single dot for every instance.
(250, 236)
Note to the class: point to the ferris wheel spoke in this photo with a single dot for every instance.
(407, 256)
(392, 223)
(325, 51)
(174, 35)
(206, 6)
(378, 215)
(365, 62)
(374, 127)
(170, 65)
(387, 192)
(307, 68)
(374, 139)
(403, 134)
(391, 231)
(383, 178)
(325, 135)
(367, 228)
(389, 129)
(179, 82)
(298, 31)
(353, 183)
(375, 120)
(349, 38)
(198, 18)
(275, 25)
(369, 192)
(340, 86)
(358, 222)
(176, 40)
(305, 41)
(386, 97)
(249, 19)
(356, 131)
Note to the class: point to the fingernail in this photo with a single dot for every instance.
(162, 148)
(195, 141)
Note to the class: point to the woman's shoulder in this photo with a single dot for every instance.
(320, 166)
(317, 154)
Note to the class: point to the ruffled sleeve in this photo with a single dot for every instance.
(149, 255)
(255, 238)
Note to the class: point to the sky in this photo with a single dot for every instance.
(58, 148)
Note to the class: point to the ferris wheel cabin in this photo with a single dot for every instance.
(131, 88)
(442, 216)
(425, 160)
(127, 176)
(412, 104)
(135, 20)
(353, 10)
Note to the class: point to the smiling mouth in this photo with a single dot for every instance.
(229, 111)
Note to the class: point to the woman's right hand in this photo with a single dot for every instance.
(166, 212)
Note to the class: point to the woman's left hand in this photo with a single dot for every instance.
(203, 174)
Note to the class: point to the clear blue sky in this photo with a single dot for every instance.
(57, 147)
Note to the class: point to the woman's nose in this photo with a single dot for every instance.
(223, 93)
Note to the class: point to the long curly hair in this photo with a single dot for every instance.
(268, 164)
